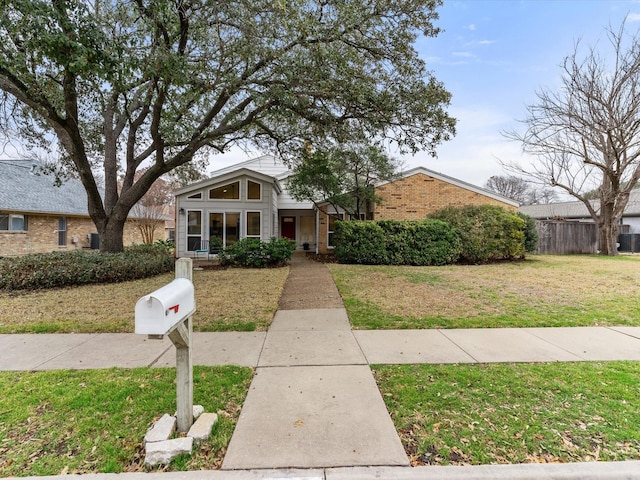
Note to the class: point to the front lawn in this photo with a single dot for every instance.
(91, 421)
(232, 299)
(542, 291)
(514, 413)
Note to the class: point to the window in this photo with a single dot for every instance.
(333, 218)
(253, 224)
(194, 230)
(253, 190)
(224, 229)
(226, 192)
(62, 231)
(195, 196)
(15, 223)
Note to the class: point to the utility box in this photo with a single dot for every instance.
(161, 311)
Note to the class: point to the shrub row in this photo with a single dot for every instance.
(471, 234)
(393, 242)
(60, 269)
(487, 232)
(254, 253)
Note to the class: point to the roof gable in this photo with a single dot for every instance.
(453, 181)
(228, 175)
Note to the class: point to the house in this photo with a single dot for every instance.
(577, 212)
(250, 199)
(36, 216)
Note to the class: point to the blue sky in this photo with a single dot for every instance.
(493, 55)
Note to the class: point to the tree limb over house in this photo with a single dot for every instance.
(118, 87)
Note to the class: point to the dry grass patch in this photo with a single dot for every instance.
(233, 299)
(543, 290)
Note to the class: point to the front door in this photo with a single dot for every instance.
(288, 227)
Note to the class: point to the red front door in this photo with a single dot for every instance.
(288, 227)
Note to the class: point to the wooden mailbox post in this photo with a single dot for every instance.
(168, 311)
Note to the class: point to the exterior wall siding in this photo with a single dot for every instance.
(415, 197)
(42, 236)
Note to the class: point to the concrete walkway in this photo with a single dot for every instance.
(313, 402)
(82, 351)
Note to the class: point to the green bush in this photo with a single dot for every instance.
(530, 233)
(487, 232)
(360, 242)
(392, 242)
(254, 253)
(61, 269)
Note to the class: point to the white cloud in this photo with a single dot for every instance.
(633, 17)
(486, 42)
(472, 27)
(463, 54)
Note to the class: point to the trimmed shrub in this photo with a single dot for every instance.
(360, 242)
(61, 269)
(487, 232)
(393, 242)
(254, 253)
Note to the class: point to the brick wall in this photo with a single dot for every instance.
(414, 197)
(42, 236)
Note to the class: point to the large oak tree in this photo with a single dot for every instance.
(121, 86)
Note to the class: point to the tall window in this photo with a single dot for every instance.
(62, 231)
(16, 223)
(230, 191)
(194, 230)
(253, 190)
(330, 229)
(253, 224)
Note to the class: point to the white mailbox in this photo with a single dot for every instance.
(160, 311)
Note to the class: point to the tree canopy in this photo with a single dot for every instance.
(112, 88)
(343, 177)
(585, 135)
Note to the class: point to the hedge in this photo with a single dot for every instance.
(254, 253)
(487, 232)
(394, 242)
(61, 269)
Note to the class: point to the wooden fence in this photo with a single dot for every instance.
(561, 237)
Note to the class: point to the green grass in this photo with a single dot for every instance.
(543, 291)
(227, 300)
(515, 413)
(91, 421)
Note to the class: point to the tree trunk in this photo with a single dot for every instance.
(112, 235)
(607, 230)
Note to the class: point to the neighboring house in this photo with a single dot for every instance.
(250, 199)
(36, 216)
(577, 212)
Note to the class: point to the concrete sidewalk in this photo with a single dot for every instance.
(83, 351)
(313, 403)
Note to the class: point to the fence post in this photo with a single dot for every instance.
(182, 338)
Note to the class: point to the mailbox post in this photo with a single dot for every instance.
(168, 311)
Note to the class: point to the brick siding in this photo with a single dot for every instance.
(42, 236)
(413, 198)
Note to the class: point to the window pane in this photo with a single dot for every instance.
(17, 222)
(194, 222)
(253, 224)
(226, 192)
(232, 228)
(62, 231)
(193, 243)
(216, 230)
(253, 190)
(4, 222)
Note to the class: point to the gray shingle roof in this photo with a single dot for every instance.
(577, 209)
(23, 189)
